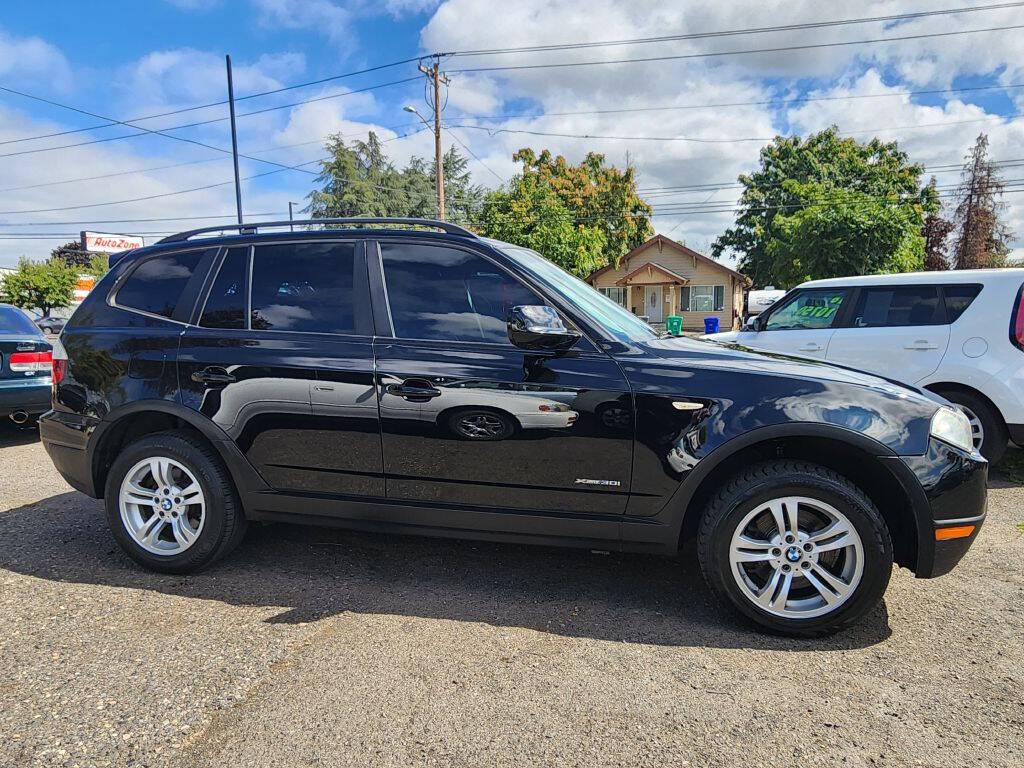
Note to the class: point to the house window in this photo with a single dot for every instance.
(616, 293)
(703, 298)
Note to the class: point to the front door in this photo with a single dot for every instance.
(803, 325)
(469, 419)
(652, 303)
(287, 372)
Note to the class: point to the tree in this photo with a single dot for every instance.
(85, 262)
(981, 239)
(361, 180)
(583, 217)
(42, 285)
(826, 206)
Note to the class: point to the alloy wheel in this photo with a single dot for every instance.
(162, 506)
(481, 425)
(796, 557)
(977, 428)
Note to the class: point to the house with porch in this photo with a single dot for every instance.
(662, 277)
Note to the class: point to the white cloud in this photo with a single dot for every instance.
(323, 16)
(33, 59)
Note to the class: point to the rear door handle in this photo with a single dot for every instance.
(414, 390)
(213, 376)
(921, 344)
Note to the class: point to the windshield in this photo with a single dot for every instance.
(15, 321)
(616, 320)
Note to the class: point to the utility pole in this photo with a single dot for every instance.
(234, 140)
(434, 74)
(290, 217)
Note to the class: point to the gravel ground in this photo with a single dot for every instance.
(320, 647)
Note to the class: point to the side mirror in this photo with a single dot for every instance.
(750, 324)
(539, 327)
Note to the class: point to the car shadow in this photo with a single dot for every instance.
(313, 573)
(12, 434)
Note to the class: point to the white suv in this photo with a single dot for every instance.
(959, 334)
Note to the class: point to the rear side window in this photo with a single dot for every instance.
(156, 285)
(15, 321)
(958, 299)
(225, 306)
(309, 287)
(448, 294)
(812, 309)
(894, 306)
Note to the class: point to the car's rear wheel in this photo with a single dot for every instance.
(796, 548)
(987, 427)
(171, 504)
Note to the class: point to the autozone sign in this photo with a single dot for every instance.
(102, 242)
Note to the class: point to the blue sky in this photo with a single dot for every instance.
(129, 59)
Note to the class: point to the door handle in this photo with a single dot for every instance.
(414, 390)
(921, 344)
(812, 347)
(213, 376)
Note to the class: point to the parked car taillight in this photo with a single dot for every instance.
(30, 361)
(60, 364)
(1017, 323)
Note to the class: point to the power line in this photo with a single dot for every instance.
(733, 32)
(780, 49)
(164, 131)
(465, 146)
(215, 103)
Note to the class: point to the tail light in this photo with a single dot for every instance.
(30, 361)
(1017, 322)
(60, 364)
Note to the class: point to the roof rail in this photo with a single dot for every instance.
(254, 227)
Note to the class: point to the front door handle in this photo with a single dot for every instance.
(921, 344)
(415, 390)
(213, 376)
(811, 347)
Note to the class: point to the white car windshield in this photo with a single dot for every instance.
(616, 320)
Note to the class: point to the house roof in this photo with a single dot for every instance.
(673, 277)
(662, 240)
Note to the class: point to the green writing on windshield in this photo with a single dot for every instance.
(820, 308)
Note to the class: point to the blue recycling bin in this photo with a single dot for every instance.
(711, 325)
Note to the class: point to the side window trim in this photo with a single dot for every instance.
(211, 280)
(189, 294)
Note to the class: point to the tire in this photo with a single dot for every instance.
(827, 498)
(994, 435)
(481, 424)
(215, 526)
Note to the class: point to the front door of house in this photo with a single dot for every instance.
(652, 303)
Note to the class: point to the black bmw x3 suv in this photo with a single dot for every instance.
(410, 376)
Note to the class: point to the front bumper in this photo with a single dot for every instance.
(949, 490)
(31, 395)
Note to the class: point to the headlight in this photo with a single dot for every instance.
(951, 426)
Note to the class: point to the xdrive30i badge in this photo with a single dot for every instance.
(588, 481)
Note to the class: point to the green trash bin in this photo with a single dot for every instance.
(674, 325)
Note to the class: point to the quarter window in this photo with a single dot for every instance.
(958, 299)
(225, 307)
(308, 287)
(157, 283)
(449, 294)
(894, 306)
(808, 310)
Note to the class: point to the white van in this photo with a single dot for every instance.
(959, 334)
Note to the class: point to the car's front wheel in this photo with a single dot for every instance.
(171, 504)
(796, 548)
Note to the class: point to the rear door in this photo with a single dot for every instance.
(801, 325)
(896, 330)
(281, 360)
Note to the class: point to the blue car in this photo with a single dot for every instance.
(26, 362)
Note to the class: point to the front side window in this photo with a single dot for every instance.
(307, 287)
(808, 310)
(156, 285)
(894, 306)
(448, 294)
